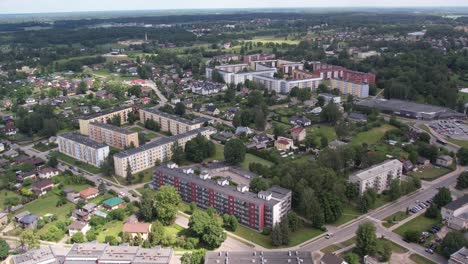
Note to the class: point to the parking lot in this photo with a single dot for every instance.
(451, 128)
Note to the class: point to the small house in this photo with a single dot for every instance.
(78, 226)
(43, 187)
(29, 221)
(113, 203)
(298, 133)
(89, 193)
(444, 161)
(137, 229)
(284, 144)
(47, 173)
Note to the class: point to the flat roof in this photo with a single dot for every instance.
(113, 128)
(458, 203)
(401, 105)
(36, 256)
(377, 169)
(177, 118)
(102, 113)
(83, 140)
(159, 142)
(271, 257)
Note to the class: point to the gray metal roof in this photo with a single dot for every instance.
(270, 257)
(83, 140)
(460, 202)
(113, 128)
(120, 108)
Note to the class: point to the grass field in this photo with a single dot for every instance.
(430, 173)
(321, 130)
(418, 259)
(349, 213)
(43, 147)
(74, 162)
(420, 224)
(150, 136)
(46, 205)
(136, 129)
(331, 249)
(7, 194)
(372, 136)
(461, 143)
(298, 237)
(395, 218)
(112, 228)
(249, 158)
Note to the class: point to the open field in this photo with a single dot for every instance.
(322, 130)
(420, 224)
(372, 136)
(74, 162)
(249, 158)
(274, 40)
(395, 218)
(43, 206)
(349, 213)
(430, 173)
(112, 228)
(4, 194)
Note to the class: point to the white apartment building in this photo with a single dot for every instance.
(455, 214)
(172, 123)
(238, 73)
(145, 156)
(82, 148)
(285, 86)
(378, 176)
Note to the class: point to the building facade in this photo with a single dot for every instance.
(104, 117)
(113, 135)
(83, 149)
(356, 89)
(171, 123)
(378, 176)
(455, 214)
(145, 157)
(285, 86)
(256, 211)
(238, 73)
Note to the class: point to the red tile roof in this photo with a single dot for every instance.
(88, 192)
(136, 228)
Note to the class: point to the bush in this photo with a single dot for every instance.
(412, 236)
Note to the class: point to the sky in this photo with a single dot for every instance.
(50, 6)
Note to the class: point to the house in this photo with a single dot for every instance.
(36, 162)
(26, 175)
(316, 111)
(90, 207)
(43, 187)
(284, 144)
(21, 215)
(89, 193)
(81, 215)
(357, 117)
(175, 100)
(298, 133)
(113, 203)
(423, 161)
(300, 121)
(11, 153)
(459, 257)
(407, 166)
(243, 130)
(330, 258)
(137, 229)
(455, 213)
(78, 226)
(444, 161)
(227, 45)
(261, 138)
(212, 110)
(3, 219)
(336, 99)
(29, 221)
(47, 173)
(223, 136)
(72, 196)
(9, 129)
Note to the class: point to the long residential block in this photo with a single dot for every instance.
(256, 211)
(145, 156)
(104, 117)
(113, 135)
(171, 123)
(357, 89)
(82, 148)
(378, 176)
(285, 86)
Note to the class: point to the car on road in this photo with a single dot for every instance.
(329, 235)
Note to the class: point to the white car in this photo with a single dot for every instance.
(329, 235)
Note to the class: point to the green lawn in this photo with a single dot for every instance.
(331, 249)
(4, 194)
(303, 234)
(349, 242)
(395, 218)
(136, 129)
(46, 205)
(322, 130)
(112, 228)
(372, 136)
(74, 162)
(98, 200)
(395, 247)
(249, 158)
(150, 136)
(349, 213)
(418, 259)
(274, 40)
(461, 143)
(420, 224)
(430, 173)
(43, 147)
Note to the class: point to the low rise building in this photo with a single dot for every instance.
(28, 221)
(137, 230)
(78, 226)
(144, 157)
(89, 193)
(330, 98)
(104, 117)
(378, 176)
(285, 86)
(171, 123)
(459, 257)
(357, 89)
(455, 214)
(47, 173)
(300, 121)
(265, 209)
(207, 88)
(114, 136)
(272, 257)
(298, 133)
(83, 149)
(42, 187)
(444, 161)
(284, 144)
(113, 203)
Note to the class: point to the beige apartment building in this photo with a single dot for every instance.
(104, 117)
(378, 176)
(145, 156)
(111, 135)
(82, 148)
(171, 123)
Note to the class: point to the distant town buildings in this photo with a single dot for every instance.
(83, 148)
(207, 88)
(378, 176)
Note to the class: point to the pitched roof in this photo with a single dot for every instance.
(89, 192)
(297, 130)
(29, 219)
(43, 183)
(136, 228)
(77, 225)
(113, 201)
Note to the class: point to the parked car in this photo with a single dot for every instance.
(329, 235)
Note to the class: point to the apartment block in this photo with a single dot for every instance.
(378, 176)
(238, 73)
(104, 117)
(455, 214)
(285, 86)
(145, 156)
(256, 211)
(359, 77)
(357, 89)
(271, 257)
(113, 135)
(171, 123)
(82, 148)
(259, 57)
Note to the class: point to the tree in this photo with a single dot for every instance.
(276, 236)
(102, 188)
(234, 151)
(152, 125)
(462, 181)
(351, 258)
(177, 153)
(4, 249)
(424, 137)
(462, 155)
(432, 212)
(260, 121)
(412, 235)
(196, 257)
(53, 162)
(452, 242)
(78, 237)
(207, 229)
(366, 239)
(129, 176)
(157, 233)
(395, 190)
(323, 142)
(147, 210)
(386, 252)
(179, 109)
(166, 204)
(29, 239)
(352, 191)
(330, 113)
(111, 240)
(442, 197)
(199, 148)
(258, 184)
